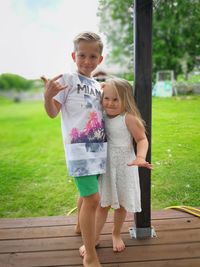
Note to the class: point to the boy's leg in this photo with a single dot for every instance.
(88, 189)
(100, 219)
(119, 218)
(87, 223)
(77, 226)
(101, 216)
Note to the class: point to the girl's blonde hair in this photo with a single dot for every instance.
(125, 92)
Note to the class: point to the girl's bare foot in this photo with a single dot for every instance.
(118, 243)
(77, 229)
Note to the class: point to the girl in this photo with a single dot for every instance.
(119, 187)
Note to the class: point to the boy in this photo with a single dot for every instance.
(78, 95)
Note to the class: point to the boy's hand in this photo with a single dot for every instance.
(140, 162)
(52, 87)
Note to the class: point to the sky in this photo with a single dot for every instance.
(36, 36)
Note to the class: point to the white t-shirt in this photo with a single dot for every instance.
(82, 125)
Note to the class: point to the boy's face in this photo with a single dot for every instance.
(87, 57)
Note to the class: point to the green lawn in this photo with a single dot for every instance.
(33, 175)
(176, 152)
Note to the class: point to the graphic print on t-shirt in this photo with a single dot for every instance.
(86, 147)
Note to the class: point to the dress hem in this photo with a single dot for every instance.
(115, 206)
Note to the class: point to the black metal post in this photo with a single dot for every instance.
(143, 97)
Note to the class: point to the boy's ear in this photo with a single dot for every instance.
(102, 85)
(73, 56)
(100, 59)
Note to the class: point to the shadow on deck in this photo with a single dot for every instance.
(51, 241)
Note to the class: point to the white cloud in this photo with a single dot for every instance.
(37, 35)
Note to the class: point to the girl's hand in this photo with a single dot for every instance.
(140, 162)
(52, 87)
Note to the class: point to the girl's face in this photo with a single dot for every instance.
(111, 102)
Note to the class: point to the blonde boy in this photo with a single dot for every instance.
(77, 96)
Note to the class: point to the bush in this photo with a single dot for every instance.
(10, 81)
(186, 88)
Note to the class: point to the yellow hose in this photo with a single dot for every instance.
(72, 210)
(188, 209)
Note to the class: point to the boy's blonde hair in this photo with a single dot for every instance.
(89, 37)
(125, 92)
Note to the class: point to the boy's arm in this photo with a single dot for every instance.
(52, 107)
(52, 88)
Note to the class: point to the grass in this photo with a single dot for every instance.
(33, 175)
(176, 152)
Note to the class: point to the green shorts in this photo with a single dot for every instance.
(87, 185)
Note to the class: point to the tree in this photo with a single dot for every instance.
(117, 25)
(176, 35)
(12, 81)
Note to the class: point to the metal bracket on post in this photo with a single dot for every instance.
(142, 233)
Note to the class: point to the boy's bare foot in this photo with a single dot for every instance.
(118, 243)
(77, 229)
(91, 263)
(82, 250)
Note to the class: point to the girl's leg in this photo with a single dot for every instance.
(87, 224)
(77, 226)
(119, 218)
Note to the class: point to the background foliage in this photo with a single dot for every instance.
(117, 25)
(176, 35)
(10, 81)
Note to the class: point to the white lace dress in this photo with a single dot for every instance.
(119, 186)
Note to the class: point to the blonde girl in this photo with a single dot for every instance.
(119, 187)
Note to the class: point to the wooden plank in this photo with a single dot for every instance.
(62, 243)
(63, 231)
(36, 232)
(68, 258)
(38, 221)
(151, 253)
(168, 263)
(169, 214)
(71, 220)
(40, 244)
(71, 257)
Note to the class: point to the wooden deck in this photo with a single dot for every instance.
(51, 241)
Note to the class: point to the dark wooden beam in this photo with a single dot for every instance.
(143, 97)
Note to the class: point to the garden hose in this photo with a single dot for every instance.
(188, 209)
(71, 211)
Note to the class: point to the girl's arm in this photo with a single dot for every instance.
(52, 88)
(137, 130)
